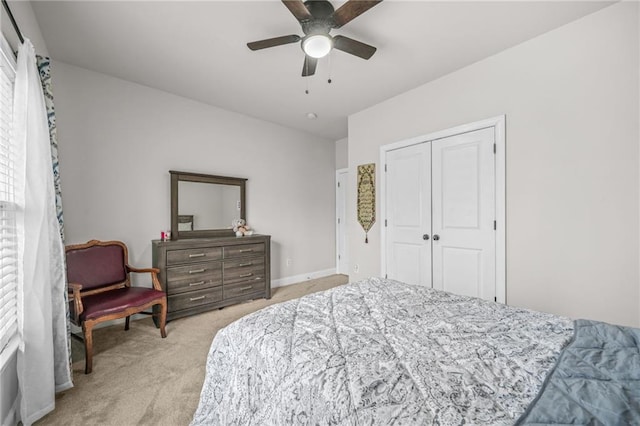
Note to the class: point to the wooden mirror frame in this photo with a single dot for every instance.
(177, 177)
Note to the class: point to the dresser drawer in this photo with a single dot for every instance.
(247, 287)
(196, 271)
(193, 277)
(243, 270)
(179, 257)
(243, 250)
(194, 298)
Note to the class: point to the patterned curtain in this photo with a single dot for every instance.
(44, 67)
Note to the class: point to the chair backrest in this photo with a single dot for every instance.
(97, 264)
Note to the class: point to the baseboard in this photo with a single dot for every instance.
(302, 277)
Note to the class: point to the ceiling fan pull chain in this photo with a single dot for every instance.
(306, 82)
(329, 59)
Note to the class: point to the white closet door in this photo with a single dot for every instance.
(463, 196)
(408, 208)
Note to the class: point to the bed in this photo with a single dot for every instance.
(383, 352)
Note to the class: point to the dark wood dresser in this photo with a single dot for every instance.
(202, 274)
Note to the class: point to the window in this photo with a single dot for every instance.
(8, 207)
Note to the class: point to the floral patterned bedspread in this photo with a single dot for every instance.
(380, 352)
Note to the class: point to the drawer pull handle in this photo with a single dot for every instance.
(245, 288)
(245, 250)
(195, 284)
(245, 275)
(193, 299)
(257, 278)
(196, 255)
(245, 264)
(197, 271)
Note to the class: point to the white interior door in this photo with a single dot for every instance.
(342, 249)
(463, 197)
(408, 214)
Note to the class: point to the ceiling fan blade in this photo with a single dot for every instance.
(272, 42)
(298, 9)
(353, 47)
(351, 10)
(309, 67)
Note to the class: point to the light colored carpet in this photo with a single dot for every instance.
(140, 379)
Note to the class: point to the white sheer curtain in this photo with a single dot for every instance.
(43, 366)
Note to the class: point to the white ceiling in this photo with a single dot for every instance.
(198, 50)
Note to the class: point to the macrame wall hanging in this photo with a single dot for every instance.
(367, 197)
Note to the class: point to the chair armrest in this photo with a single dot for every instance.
(132, 269)
(154, 275)
(74, 295)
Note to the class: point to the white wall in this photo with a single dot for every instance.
(571, 101)
(118, 140)
(342, 153)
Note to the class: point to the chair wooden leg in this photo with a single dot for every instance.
(126, 323)
(163, 318)
(88, 347)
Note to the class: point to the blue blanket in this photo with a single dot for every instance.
(596, 380)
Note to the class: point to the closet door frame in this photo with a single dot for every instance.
(498, 124)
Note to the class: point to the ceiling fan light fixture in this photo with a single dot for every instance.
(317, 45)
(317, 18)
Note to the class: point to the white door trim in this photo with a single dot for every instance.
(338, 173)
(498, 123)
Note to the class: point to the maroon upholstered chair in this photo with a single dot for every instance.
(100, 289)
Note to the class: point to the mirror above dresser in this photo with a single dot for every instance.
(205, 205)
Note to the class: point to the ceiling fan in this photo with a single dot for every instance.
(317, 18)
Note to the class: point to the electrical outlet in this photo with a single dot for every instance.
(356, 268)
(289, 262)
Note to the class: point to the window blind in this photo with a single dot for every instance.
(8, 207)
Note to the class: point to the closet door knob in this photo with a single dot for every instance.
(425, 237)
(436, 237)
